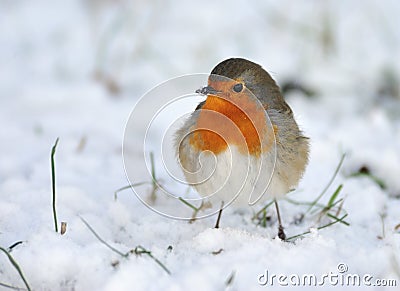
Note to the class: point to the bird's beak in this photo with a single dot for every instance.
(207, 90)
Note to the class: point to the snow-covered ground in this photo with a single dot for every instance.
(75, 69)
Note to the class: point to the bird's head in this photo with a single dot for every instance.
(236, 77)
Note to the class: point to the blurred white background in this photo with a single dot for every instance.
(74, 69)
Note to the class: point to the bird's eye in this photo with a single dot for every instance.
(238, 88)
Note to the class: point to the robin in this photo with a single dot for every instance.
(242, 144)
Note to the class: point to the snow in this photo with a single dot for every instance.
(76, 69)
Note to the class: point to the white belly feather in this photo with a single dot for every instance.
(232, 177)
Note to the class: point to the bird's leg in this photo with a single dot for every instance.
(281, 233)
(219, 215)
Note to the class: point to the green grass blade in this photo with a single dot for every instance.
(188, 204)
(319, 228)
(53, 184)
(102, 240)
(338, 219)
(16, 266)
(334, 196)
(328, 185)
(142, 250)
(138, 250)
(262, 209)
(128, 187)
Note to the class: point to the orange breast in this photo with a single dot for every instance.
(241, 122)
